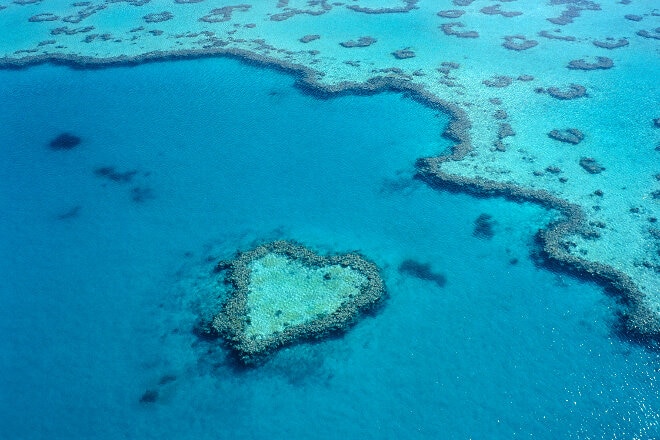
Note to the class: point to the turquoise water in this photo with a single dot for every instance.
(100, 292)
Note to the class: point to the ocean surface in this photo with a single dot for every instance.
(107, 250)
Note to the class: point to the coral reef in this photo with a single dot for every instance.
(360, 42)
(71, 31)
(633, 17)
(518, 42)
(601, 63)
(115, 176)
(308, 38)
(568, 135)
(552, 36)
(284, 293)
(140, 194)
(43, 17)
(402, 54)
(158, 17)
(336, 84)
(65, 141)
(591, 165)
(483, 227)
(610, 43)
(498, 81)
(149, 396)
(655, 34)
(408, 6)
(572, 11)
(422, 271)
(573, 91)
(86, 12)
(495, 10)
(219, 15)
(448, 29)
(451, 13)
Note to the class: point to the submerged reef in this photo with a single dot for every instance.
(601, 63)
(531, 167)
(573, 91)
(610, 43)
(158, 17)
(568, 135)
(556, 36)
(408, 6)
(451, 13)
(591, 166)
(403, 54)
(282, 293)
(422, 271)
(495, 10)
(518, 42)
(46, 16)
(309, 38)
(498, 81)
(360, 42)
(448, 29)
(220, 15)
(110, 173)
(65, 141)
(483, 227)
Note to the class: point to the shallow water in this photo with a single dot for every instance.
(100, 292)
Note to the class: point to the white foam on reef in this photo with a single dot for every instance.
(616, 115)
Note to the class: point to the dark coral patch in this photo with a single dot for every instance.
(483, 227)
(43, 17)
(422, 271)
(573, 91)
(568, 135)
(149, 396)
(141, 194)
(633, 17)
(360, 42)
(601, 63)
(654, 34)
(71, 31)
(518, 42)
(219, 15)
(505, 130)
(403, 54)
(591, 166)
(495, 10)
(610, 43)
(65, 141)
(498, 81)
(309, 38)
(408, 6)
(112, 174)
(448, 29)
(554, 36)
(70, 213)
(158, 17)
(451, 13)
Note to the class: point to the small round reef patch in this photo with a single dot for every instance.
(283, 293)
(65, 141)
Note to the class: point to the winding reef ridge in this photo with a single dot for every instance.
(607, 226)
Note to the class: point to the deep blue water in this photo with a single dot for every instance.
(98, 307)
